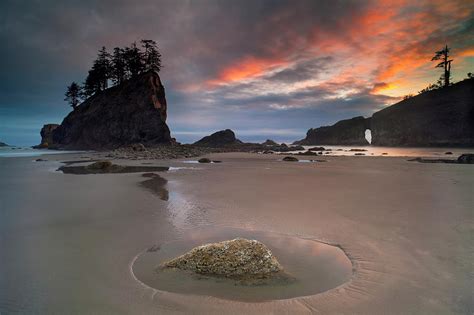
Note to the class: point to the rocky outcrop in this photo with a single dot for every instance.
(443, 117)
(236, 259)
(219, 139)
(130, 113)
(344, 132)
(46, 136)
(270, 142)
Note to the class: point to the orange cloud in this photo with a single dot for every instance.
(246, 68)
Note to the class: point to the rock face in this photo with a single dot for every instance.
(344, 132)
(46, 136)
(236, 259)
(130, 113)
(219, 139)
(443, 117)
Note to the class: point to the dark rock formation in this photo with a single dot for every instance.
(467, 158)
(443, 117)
(130, 113)
(236, 259)
(204, 160)
(219, 139)
(270, 143)
(46, 136)
(344, 132)
(107, 167)
(290, 159)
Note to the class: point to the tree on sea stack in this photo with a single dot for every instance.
(151, 55)
(73, 94)
(445, 63)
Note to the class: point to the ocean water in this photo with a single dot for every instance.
(27, 151)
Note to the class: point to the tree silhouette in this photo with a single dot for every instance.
(445, 63)
(133, 60)
(118, 66)
(151, 55)
(73, 94)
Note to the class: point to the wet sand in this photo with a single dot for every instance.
(68, 241)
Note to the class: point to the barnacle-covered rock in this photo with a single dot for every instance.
(239, 259)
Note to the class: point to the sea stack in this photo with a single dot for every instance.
(129, 113)
(219, 139)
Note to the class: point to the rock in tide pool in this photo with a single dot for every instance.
(238, 259)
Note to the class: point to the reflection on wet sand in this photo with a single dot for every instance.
(156, 184)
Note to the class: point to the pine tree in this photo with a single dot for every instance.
(151, 55)
(118, 67)
(73, 95)
(133, 60)
(445, 63)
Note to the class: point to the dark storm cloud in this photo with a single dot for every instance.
(246, 64)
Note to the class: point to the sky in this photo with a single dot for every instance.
(264, 68)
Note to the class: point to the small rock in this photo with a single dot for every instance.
(290, 159)
(448, 153)
(204, 160)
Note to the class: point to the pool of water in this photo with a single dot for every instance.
(314, 267)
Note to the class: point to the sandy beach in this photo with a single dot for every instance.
(69, 241)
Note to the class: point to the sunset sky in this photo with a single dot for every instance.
(266, 69)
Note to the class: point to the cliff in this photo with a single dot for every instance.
(133, 112)
(344, 132)
(46, 136)
(443, 117)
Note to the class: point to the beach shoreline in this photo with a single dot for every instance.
(406, 226)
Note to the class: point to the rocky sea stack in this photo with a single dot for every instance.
(442, 117)
(238, 259)
(132, 112)
(219, 139)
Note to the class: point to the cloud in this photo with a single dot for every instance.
(251, 64)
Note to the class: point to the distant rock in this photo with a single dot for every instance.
(219, 139)
(443, 117)
(2, 144)
(317, 149)
(357, 150)
(466, 158)
(130, 113)
(239, 259)
(344, 132)
(290, 159)
(47, 136)
(269, 142)
(204, 160)
(448, 153)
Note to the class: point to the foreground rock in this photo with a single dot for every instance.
(130, 113)
(107, 167)
(238, 259)
(219, 139)
(46, 136)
